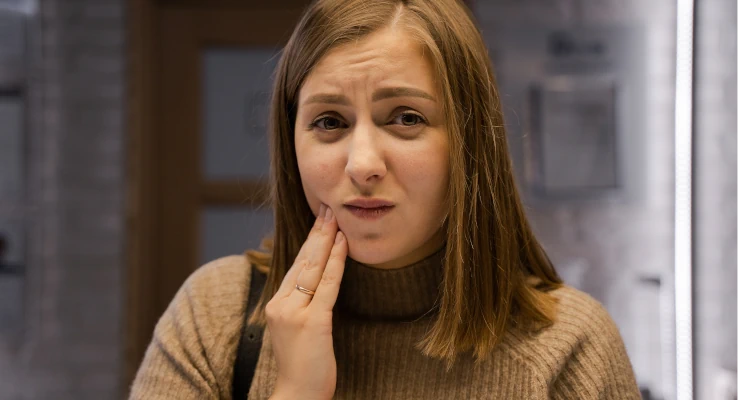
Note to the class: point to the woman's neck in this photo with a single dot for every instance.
(404, 293)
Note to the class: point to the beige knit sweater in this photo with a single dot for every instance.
(192, 354)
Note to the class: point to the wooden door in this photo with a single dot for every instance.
(200, 79)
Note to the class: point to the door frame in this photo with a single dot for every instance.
(165, 39)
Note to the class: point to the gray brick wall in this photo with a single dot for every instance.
(72, 341)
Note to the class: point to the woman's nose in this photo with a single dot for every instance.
(365, 161)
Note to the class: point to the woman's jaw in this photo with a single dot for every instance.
(389, 249)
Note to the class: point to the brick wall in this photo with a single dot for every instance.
(72, 338)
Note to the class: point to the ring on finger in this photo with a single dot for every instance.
(304, 290)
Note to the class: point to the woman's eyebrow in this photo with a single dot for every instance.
(328, 99)
(385, 93)
(380, 94)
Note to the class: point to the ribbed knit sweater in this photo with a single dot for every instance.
(381, 314)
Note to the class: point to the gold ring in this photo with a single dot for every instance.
(304, 290)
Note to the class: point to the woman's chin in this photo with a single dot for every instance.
(370, 255)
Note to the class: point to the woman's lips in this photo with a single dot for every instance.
(369, 213)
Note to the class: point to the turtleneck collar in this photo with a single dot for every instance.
(404, 294)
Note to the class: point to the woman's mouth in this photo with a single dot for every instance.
(369, 213)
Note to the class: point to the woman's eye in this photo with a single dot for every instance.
(408, 119)
(328, 123)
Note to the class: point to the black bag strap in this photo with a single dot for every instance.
(250, 343)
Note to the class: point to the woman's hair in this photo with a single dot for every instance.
(492, 256)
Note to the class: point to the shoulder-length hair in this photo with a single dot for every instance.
(492, 256)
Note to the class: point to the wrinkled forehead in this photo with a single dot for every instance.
(386, 57)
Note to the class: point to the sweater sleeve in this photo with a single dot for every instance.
(598, 367)
(193, 349)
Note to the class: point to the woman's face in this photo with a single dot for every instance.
(371, 144)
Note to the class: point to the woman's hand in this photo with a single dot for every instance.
(300, 324)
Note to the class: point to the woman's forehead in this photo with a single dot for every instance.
(389, 58)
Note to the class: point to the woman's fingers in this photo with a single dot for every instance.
(313, 270)
(328, 288)
(302, 341)
(289, 281)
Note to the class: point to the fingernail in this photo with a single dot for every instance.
(329, 214)
(322, 210)
(339, 238)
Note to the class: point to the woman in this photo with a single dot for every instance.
(403, 265)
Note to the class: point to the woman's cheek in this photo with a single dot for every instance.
(309, 186)
(321, 177)
(427, 176)
(318, 180)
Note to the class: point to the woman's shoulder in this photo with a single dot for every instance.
(578, 315)
(582, 350)
(582, 329)
(580, 311)
(213, 296)
(579, 318)
(195, 340)
(231, 273)
(219, 288)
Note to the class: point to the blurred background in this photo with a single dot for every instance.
(133, 149)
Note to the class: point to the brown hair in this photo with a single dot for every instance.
(491, 251)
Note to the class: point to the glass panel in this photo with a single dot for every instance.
(237, 85)
(230, 230)
(578, 143)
